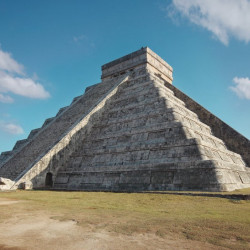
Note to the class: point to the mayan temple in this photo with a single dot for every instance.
(134, 131)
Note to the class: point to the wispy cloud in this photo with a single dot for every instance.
(224, 18)
(7, 63)
(242, 87)
(22, 86)
(6, 98)
(79, 38)
(13, 80)
(11, 128)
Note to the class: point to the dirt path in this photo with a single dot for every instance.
(37, 230)
(7, 202)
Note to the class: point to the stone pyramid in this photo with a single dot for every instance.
(134, 131)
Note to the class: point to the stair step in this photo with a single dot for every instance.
(76, 99)
(159, 165)
(33, 132)
(5, 155)
(47, 121)
(61, 110)
(19, 144)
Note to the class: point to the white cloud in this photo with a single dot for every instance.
(6, 99)
(13, 80)
(242, 88)
(21, 86)
(7, 63)
(224, 18)
(11, 128)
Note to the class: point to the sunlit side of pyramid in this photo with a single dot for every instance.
(134, 131)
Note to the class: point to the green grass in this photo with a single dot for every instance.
(245, 191)
(222, 222)
(241, 191)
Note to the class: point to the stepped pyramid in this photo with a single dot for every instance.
(134, 131)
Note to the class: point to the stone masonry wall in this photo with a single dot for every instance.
(134, 131)
(49, 135)
(233, 139)
(141, 57)
(147, 139)
(66, 143)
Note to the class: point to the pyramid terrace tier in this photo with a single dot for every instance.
(196, 175)
(131, 62)
(134, 131)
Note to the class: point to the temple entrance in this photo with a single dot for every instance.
(49, 180)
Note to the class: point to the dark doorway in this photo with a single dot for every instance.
(49, 180)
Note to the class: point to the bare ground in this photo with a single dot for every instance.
(24, 229)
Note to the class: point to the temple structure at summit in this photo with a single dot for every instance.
(134, 131)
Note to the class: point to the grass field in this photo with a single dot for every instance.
(216, 221)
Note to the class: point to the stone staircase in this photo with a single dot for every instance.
(147, 130)
(5, 156)
(131, 132)
(26, 152)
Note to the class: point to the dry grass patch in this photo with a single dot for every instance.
(221, 222)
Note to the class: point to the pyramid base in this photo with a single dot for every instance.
(204, 176)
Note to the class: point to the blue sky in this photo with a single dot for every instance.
(50, 51)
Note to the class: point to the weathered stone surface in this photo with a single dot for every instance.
(233, 139)
(6, 184)
(133, 131)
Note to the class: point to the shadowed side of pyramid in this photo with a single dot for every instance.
(132, 132)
